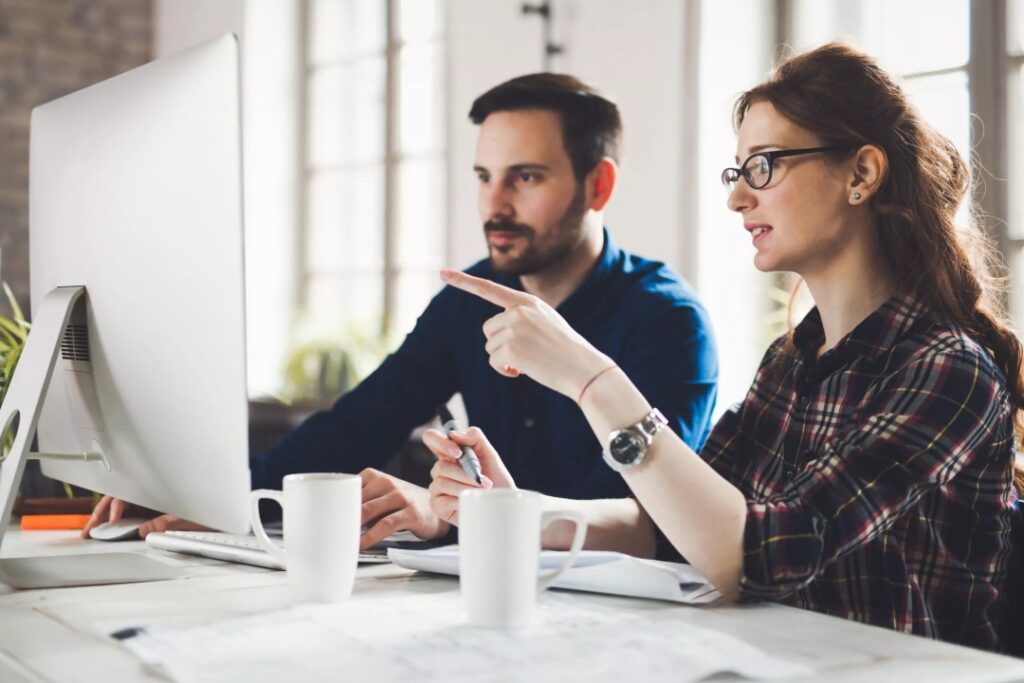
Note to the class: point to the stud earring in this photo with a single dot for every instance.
(856, 196)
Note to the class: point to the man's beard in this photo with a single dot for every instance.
(535, 258)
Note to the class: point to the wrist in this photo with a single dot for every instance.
(589, 372)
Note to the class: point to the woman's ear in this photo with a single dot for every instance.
(870, 166)
(600, 182)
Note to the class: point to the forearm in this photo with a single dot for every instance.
(700, 513)
(618, 524)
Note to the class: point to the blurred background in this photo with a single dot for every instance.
(358, 152)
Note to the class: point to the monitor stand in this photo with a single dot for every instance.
(22, 404)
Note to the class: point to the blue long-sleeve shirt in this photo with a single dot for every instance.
(638, 312)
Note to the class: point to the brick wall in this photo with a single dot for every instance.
(49, 48)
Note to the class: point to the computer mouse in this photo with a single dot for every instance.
(121, 530)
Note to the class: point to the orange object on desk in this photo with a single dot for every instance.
(51, 522)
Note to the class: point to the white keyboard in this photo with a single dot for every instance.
(233, 547)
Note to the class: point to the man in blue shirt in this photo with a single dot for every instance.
(546, 163)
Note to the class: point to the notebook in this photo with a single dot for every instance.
(593, 571)
(245, 549)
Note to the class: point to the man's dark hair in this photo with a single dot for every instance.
(591, 127)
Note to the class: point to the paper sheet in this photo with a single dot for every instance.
(594, 571)
(417, 637)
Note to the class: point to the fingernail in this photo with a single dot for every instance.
(458, 432)
(454, 451)
(485, 482)
(446, 275)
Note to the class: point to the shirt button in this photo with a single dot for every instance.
(805, 400)
(790, 473)
(528, 422)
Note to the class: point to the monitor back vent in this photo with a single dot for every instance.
(76, 343)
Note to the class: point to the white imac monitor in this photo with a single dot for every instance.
(136, 195)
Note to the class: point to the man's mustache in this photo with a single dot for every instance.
(507, 226)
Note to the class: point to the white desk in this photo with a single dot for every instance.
(62, 635)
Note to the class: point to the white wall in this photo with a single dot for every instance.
(268, 32)
(633, 53)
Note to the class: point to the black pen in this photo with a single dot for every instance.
(469, 461)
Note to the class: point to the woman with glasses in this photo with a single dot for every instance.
(868, 471)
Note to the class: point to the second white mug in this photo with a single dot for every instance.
(499, 554)
(321, 531)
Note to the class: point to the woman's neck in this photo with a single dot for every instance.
(850, 289)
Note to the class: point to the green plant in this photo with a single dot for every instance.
(13, 333)
(324, 366)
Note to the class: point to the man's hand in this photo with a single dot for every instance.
(390, 505)
(111, 509)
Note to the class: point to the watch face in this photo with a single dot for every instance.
(627, 446)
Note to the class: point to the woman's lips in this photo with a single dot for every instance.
(758, 232)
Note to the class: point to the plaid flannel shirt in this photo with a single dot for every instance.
(878, 477)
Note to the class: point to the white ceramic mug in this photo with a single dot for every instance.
(321, 531)
(499, 554)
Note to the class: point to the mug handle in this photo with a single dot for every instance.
(257, 524)
(550, 576)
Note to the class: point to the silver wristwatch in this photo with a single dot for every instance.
(628, 447)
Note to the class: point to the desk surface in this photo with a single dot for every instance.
(62, 634)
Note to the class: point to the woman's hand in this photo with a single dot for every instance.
(448, 477)
(531, 338)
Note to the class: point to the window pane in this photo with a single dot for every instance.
(1015, 158)
(414, 291)
(420, 214)
(1015, 26)
(346, 114)
(345, 304)
(939, 37)
(341, 29)
(913, 36)
(421, 114)
(346, 221)
(816, 22)
(420, 20)
(944, 102)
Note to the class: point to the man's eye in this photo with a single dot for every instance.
(527, 177)
(483, 178)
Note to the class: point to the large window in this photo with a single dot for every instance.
(374, 165)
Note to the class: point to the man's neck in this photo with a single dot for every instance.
(554, 284)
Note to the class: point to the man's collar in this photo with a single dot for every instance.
(582, 298)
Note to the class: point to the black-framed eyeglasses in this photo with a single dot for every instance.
(757, 169)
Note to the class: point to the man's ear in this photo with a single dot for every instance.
(870, 166)
(600, 183)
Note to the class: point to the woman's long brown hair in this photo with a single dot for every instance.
(843, 97)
